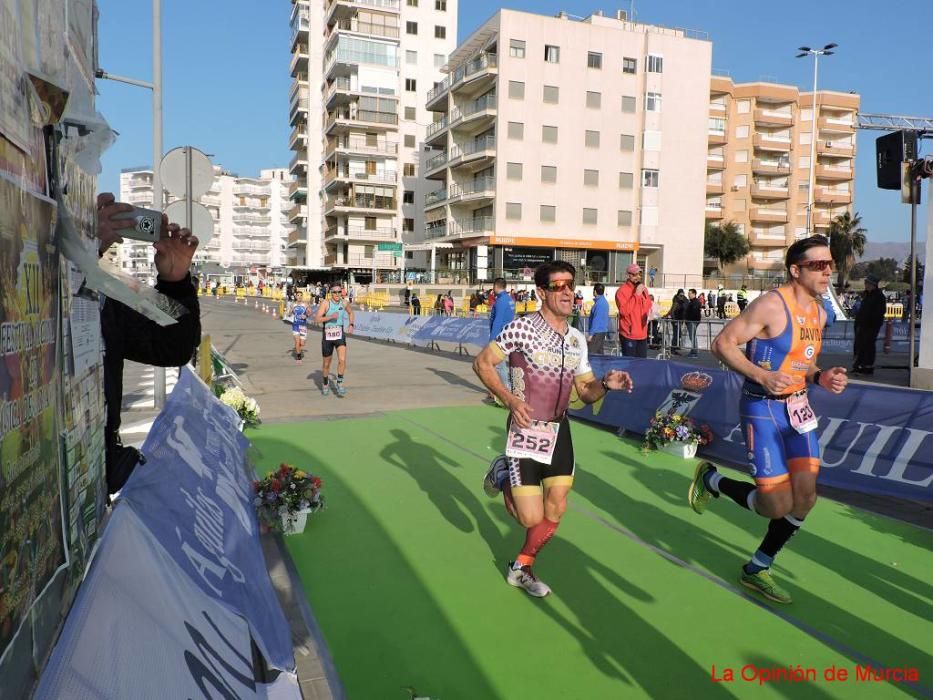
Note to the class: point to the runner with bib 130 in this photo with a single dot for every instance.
(335, 315)
(547, 359)
(782, 332)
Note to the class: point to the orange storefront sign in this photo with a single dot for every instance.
(563, 243)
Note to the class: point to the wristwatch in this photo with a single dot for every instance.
(605, 386)
(817, 376)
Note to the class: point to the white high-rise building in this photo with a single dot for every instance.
(584, 141)
(357, 108)
(251, 226)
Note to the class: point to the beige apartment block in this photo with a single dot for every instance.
(758, 167)
(361, 71)
(582, 140)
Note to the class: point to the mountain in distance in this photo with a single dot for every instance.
(891, 249)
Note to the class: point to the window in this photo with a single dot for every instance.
(549, 134)
(513, 211)
(409, 141)
(412, 3)
(740, 181)
(516, 90)
(440, 5)
(408, 197)
(408, 170)
(629, 65)
(370, 166)
(594, 100)
(717, 125)
(591, 139)
(743, 106)
(741, 132)
(625, 181)
(408, 224)
(439, 60)
(513, 171)
(411, 85)
(653, 101)
(627, 142)
(372, 138)
(624, 217)
(591, 178)
(649, 178)
(516, 48)
(548, 173)
(628, 104)
(655, 64)
(741, 156)
(548, 213)
(440, 31)
(516, 130)
(411, 27)
(410, 113)
(369, 223)
(551, 94)
(589, 216)
(804, 161)
(411, 57)
(594, 60)
(551, 54)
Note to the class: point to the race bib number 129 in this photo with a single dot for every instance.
(537, 442)
(802, 418)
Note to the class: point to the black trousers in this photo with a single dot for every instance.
(596, 345)
(864, 347)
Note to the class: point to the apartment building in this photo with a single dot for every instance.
(581, 140)
(361, 72)
(251, 227)
(759, 168)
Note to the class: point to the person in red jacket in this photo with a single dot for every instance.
(633, 303)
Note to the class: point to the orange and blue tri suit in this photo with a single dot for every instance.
(775, 448)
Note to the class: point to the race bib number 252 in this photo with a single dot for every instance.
(537, 442)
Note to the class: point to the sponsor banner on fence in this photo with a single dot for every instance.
(140, 628)
(194, 494)
(469, 331)
(398, 328)
(873, 439)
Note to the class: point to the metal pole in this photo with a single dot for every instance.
(157, 195)
(914, 198)
(813, 134)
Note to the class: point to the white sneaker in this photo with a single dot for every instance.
(491, 481)
(525, 578)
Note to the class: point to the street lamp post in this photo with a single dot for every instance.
(816, 53)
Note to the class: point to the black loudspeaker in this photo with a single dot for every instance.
(891, 150)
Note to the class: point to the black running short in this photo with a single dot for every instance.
(528, 476)
(327, 346)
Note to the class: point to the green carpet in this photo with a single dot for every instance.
(404, 572)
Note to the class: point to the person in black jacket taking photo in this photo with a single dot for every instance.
(128, 335)
(868, 321)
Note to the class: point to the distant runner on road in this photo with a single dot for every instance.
(299, 326)
(335, 314)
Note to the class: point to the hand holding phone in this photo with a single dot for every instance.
(147, 224)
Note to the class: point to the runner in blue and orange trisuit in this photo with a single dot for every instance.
(547, 359)
(299, 325)
(782, 332)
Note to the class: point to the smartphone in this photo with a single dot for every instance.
(148, 224)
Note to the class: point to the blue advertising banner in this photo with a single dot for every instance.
(387, 326)
(873, 439)
(195, 496)
(469, 331)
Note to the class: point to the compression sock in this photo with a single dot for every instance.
(535, 538)
(326, 381)
(741, 492)
(780, 530)
(340, 379)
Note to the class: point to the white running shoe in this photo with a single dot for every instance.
(491, 481)
(525, 578)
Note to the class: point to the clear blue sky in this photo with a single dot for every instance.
(226, 75)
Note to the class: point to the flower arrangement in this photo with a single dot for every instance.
(665, 428)
(247, 408)
(285, 494)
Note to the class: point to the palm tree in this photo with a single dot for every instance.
(846, 240)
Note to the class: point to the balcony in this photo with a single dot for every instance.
(297, 237)
(297, 213)
(835, 148)
(713, 211)
(715, 187)
(716, 137)
(252, 219)
(827, 195)
(769, 142)
(840, 124)
(349, 205)
(299, 62)
(770, 117)
(210, 200)
(249, 232)
(834, 172)
(361, 119)
(435, 231)
(765, 264)
(715, 162)
(770, 167)
(243, 189)
(766, 214)
(435, 163)
(476, 190)
(298, 164)
(380, 261)
(297, 191)
(298, 111)
(348, 178)
(343, 9)
(433, 199)
(474, 154)
(471, 77)
(346, 62)
(717, 107)
(359, 233)
(359, 146)
(767, 238)
(298, 139)
(355, 26)
(766, 191)
(436, 129)
(472, 227)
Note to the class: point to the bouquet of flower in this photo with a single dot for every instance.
(664, 429)
(247, 408)
(285, 492)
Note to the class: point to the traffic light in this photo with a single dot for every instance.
(892, 150)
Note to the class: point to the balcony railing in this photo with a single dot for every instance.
(484, 143)
(437, 126)
(359, 202)
(361, 232)
(482, 62)
(363, 116)
(390, 178)
(380, 260)
(377, 4)
(477, 186)
(437, 161)
(481, 224)
(359, 145)
(248, 189)
(436, 197)
(354, 25)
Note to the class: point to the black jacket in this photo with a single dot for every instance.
(128, 335)
(678, 307)
(693, 310)
(871, 312)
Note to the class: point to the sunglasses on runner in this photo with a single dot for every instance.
(817, 265)
(335, 291)
(559, 285)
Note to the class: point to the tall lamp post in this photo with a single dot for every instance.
(816, 53)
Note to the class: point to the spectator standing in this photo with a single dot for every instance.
(599, 321)
(741, 297)
(651, 275)
(711, 302)
(868, 322)
(415, 304)
(633, 303)
(692, 316)
(501, 312)
(676, 314)
(721, 304)
(654, 325)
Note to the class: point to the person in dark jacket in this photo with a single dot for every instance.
(677, 314)
(868, 322)
(692, 315)
(128, 335)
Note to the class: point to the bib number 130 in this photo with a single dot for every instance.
(537, 442)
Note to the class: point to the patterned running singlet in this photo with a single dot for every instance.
(792, 351)
(542, 363)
